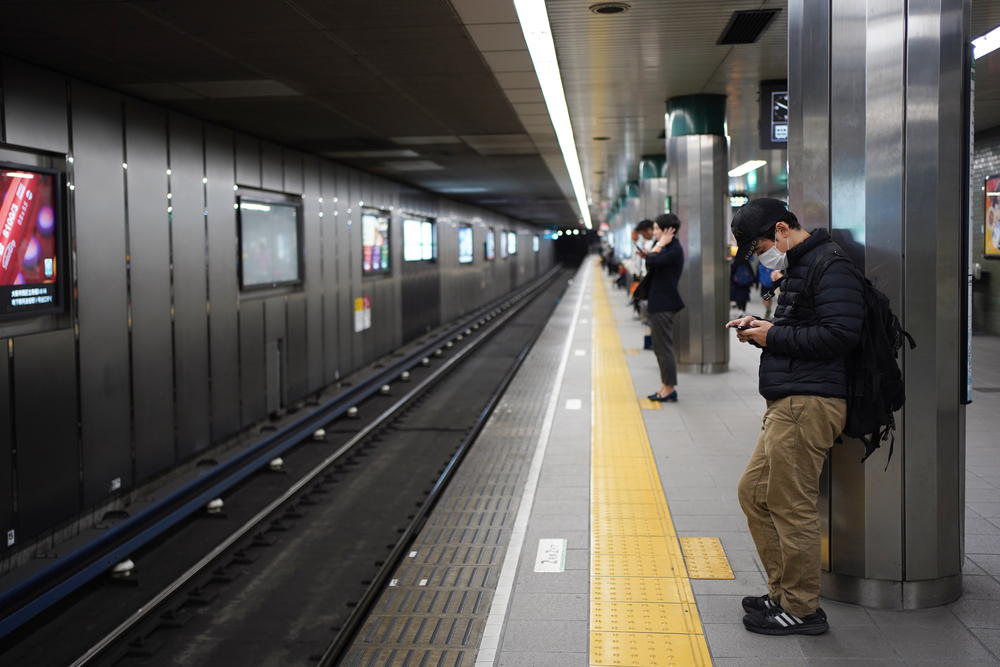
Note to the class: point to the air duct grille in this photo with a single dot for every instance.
(747, 27)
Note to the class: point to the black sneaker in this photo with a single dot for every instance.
(762, 603)
(777, 621)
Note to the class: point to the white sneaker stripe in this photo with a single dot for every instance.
(792, 619)
(779, 619)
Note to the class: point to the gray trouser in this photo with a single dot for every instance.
(662, 325)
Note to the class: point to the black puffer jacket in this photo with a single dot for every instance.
(808, 345)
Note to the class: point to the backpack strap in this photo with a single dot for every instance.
(819, 267)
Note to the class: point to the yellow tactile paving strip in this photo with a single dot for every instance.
(705, 558)
(642, 610)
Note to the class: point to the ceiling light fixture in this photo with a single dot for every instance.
(988, 43)
(608, 8)
(747, 167)
(535, 25)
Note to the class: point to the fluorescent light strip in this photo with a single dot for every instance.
(538, 35)
(988, 43)
(747, 167)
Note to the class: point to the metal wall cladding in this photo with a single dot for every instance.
(99, 203)
(149, 278)
(171, 355)
(45, 413)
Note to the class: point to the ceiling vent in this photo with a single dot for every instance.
(608, 8)
(747, 27)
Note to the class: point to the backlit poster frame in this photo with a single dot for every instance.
(27, 300)
(991, 217)
(469, 255)
(491, 244)
(368, 252)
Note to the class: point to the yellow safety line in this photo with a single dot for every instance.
(642, 610)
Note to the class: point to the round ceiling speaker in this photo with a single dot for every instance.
(608, 8)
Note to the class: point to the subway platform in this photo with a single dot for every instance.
(590, 526)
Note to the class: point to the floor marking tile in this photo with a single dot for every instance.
(642, 608)
(641, 589)
(551, 556)
(642, 649)
(580, 353)
(705, 558)
(574, 404)
(670, 618)
(631, 351)
(648, 404)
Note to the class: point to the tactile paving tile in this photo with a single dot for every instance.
(637, 565)
(627, 511)
(641, 589)
(629, 526)
(646, 649)
(640, 545)
(705, 558)
(647, 404)
(677, 618)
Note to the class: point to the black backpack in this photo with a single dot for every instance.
(874, 382)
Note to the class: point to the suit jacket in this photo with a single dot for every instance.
(666, 267)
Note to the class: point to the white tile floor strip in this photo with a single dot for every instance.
(501, 601)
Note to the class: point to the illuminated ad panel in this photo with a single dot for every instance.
(374, 244)
(491, 249)
(464, 244)
(28, 243)
(270, 252)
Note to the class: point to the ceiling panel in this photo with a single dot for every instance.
(317, 75)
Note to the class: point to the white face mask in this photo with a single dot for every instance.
(773, 258)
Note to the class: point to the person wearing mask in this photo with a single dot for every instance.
(666, 262)
(804, 359)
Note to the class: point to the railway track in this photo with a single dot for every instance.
(286, 572)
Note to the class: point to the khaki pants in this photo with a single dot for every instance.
(779, 491)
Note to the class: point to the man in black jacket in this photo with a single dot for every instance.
(803, 376)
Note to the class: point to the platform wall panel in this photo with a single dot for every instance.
(313, 254)
(333, 340)
(149, 279)
(293, 178)
(34, 107)
(6, 446)
(223, 283)
(297, 355)
(253, 404)
(271, 168)
(45, 416)
(99, 199)
(190, 284)
(247, 160)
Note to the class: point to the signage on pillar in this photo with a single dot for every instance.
(773, 114)
(362, 313)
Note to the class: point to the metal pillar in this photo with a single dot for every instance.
(653, 186)
(698, 186)
(876, 149)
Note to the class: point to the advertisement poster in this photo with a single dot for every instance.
(991, 208)
(27, 242)
(491, 250)
(362, 313)
(464, 245)
(374, 244)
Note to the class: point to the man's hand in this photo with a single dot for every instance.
(757, 333)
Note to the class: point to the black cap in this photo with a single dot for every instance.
(752, 220)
